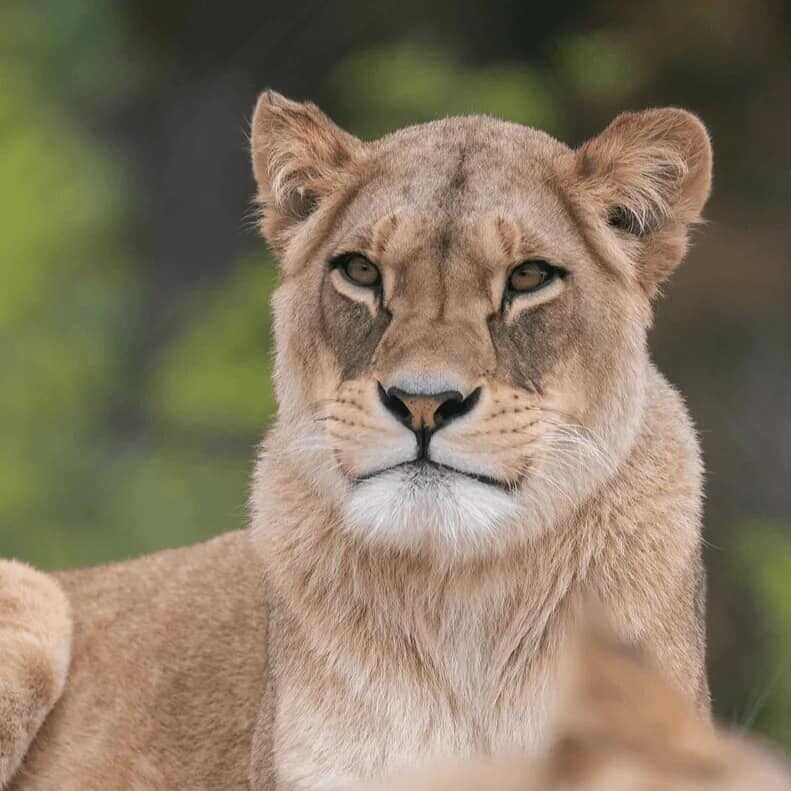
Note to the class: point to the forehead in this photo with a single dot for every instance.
(453, 177)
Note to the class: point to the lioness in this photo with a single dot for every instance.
(470, 438)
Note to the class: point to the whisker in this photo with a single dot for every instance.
(576, 442)
(578, 429)
(583, 436)
(541, 475)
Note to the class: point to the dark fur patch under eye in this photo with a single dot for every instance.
(351, 331)
(530, 347)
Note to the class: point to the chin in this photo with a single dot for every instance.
(419, 507)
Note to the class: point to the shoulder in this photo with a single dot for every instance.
(190, 599)
(225, 561)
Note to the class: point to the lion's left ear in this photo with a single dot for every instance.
(299, 157)
(649, 174)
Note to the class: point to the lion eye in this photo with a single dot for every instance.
(360, 270)
(530, 276)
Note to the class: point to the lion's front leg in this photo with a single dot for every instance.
(35, 649)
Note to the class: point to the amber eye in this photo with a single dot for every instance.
(530, 276)
(359, 270)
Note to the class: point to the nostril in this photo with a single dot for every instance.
(426, 412)
(455, 407)
(394, 404)
(450, 409)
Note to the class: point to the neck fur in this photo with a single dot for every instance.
(350, 594)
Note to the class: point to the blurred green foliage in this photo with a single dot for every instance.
(67, 285)
(598, 65)
(382, 89)
(761, 555)
(214, 376)
(135, 387)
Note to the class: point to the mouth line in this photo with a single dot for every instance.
(419, 463)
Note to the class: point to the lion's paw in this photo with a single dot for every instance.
(35, 649)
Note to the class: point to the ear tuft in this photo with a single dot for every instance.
(299, 157)
(651, 168)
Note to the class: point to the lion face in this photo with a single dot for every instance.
(461, 321)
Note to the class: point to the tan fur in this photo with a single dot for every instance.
(35, 646)
(619, 727)
(374, 619)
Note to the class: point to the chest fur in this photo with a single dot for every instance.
(343, 719)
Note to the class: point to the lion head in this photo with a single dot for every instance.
(461, 319)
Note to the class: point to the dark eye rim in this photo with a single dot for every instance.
(550, 271)
(340, 261)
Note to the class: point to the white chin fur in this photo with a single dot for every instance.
(413, 509)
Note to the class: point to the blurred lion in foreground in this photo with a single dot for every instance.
(470, 440)
(618, 726)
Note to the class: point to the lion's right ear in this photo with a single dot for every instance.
(299, 157)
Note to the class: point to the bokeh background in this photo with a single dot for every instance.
(134, 318)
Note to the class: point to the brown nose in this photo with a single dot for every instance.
(427, 412)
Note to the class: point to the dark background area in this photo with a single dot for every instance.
(134, 324)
